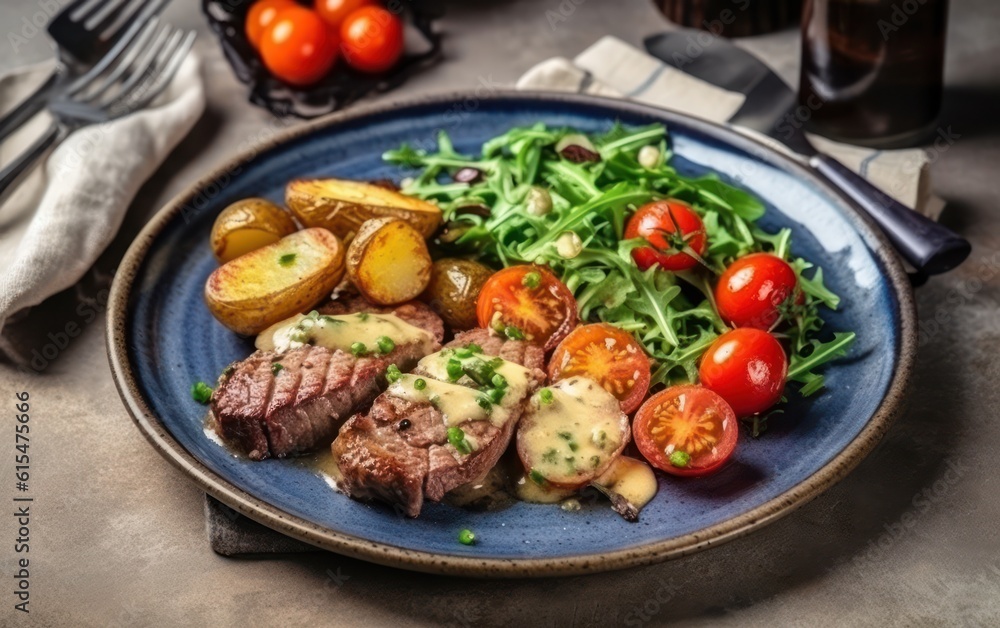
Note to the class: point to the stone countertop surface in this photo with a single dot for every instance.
(910, 538)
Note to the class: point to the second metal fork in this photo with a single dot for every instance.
(87, 32)
(131, 79)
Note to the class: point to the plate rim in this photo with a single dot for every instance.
(265, 513)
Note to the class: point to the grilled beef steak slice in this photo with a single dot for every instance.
(400, 453)
(266, 410)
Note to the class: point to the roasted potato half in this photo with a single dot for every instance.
(454, 290)
(341, 206)
(274, 282)
(388, 261)
(248, 225)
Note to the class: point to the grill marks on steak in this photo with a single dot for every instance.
(399, 451)
(267, 412)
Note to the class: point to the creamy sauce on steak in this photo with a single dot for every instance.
(518, 377)
(340, 332)
(457, 404)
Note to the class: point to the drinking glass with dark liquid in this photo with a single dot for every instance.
(872, 70)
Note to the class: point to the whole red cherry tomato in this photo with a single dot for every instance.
(372, 39)
(334, 12)
(671, 228)
(751, 291)
(260, 16)
(298, 47)
(746, 367)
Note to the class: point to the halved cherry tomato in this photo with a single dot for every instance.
(372, 39)
(527, 301)
(752, 290)
(672, 228)
(747, 368)
(298, 47)
(686, 430)
(260, 16)
(334, 12)
(608, 355)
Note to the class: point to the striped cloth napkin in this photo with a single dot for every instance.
(616, 69)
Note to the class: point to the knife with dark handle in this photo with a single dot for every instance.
(928, 246)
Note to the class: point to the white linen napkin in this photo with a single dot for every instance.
(613, 68)
(66, 213)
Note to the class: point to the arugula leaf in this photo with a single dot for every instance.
(595, 200)
(802, 364)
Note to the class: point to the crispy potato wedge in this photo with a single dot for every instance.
(388, 261)
(248, 225)
(341, 206)
(272, 283)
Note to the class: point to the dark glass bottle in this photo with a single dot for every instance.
(872, 70)
(732, 18)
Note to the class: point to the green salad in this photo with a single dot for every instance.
(563, 199)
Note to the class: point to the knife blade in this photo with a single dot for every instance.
(769, 100)
(770, 108)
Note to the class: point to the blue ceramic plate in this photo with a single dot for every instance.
(162, 339)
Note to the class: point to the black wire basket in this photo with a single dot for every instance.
(343, 85)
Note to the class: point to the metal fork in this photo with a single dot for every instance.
(124, 81)
(86, 32)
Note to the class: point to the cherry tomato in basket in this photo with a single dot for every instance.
(334, 12)
(298, 47)
(686, 430)
(260, 16)
(752, 290)
(746, 367)
(608, 355)
(372, 39)
(672, 228)
(527, 302)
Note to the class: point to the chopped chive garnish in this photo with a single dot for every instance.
(359, 349)
(456, 438)
(532, 280)
(454, 369)
(466, 537)
(363, 316)
(496, 395)
(474, 348)
(499, 381)
(393, 373)
(484, 402)
(680, 459)
(287, 259)
(595, 461)
(385, 344)
(300, 336)
(513, 332)
(276, 368)
(564, 435)
(537, 478)
(419, 384)
(573, 446)
(201, 392)
(550, 455)
(546, 396)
